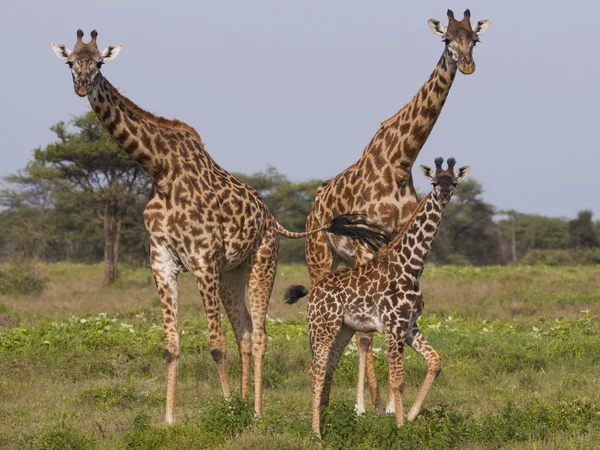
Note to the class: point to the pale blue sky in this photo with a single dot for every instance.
(303, 85)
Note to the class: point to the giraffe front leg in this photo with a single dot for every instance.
(165, 272)
(434, 366)
(395, 348)
(207, 279)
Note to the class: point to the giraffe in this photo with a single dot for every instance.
(382, 294)
(380, 183)
(200, 219)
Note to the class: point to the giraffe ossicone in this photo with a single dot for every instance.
(200, 218)
(382, 295)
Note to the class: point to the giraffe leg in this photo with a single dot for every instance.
(165, 272)
(341, 340)
(366, 364)
(319, 256)
(322, 340)
(233, 290)
(207, 279)
(260, 285)
(318, 369)
(361, 343)
(434, 366)
(391, 402)
(395, 348)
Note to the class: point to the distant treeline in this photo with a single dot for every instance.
(81, 199)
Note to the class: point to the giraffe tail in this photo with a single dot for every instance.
(351, 225)
(294, 293)
(356, 227)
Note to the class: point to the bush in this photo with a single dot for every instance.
(555, 257)
(227, 418)
(62, 436)
(21, 279)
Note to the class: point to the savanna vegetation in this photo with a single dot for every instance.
(82, 366)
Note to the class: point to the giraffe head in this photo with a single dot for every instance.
(444, 181)
(460, 38)
(85, 61)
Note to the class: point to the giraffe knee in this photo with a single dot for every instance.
(217, 355)
(171, 356)
(364, 342)
(435, 366)
(259, 341)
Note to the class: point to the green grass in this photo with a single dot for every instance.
(82, 366)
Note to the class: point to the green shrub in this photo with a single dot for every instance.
(21, 279)
(62, 436)
(227, 418)
(556, 257)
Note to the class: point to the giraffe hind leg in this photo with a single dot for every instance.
(327, 346)
(366, 358)
(341, 340)
(434, 366)
(208, 281)
(263, 265)
(233, 291)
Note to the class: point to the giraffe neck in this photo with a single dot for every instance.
(147, 139)
(412, 246)
(400, 138)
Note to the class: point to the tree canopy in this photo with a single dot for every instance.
(81, 198)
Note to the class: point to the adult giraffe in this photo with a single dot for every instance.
(200, 218)
(380, 183)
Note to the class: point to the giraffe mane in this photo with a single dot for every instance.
(163, 122)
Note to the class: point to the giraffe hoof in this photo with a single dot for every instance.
(412, 415)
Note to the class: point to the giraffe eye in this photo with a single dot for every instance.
(99, 64)
(70, 64)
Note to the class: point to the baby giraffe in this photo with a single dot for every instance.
(381, 295)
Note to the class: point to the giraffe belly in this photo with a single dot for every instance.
(367, 323)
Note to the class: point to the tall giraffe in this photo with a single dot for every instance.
(200, 218)
(380, 183)
(382, 294)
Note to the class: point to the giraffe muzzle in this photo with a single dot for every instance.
(81, 90)
(467, 68)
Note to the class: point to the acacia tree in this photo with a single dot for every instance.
(289, 202)
(468, 233)
(88, 168)
(581, 231)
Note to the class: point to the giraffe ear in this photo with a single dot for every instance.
(427, 173)
(481, 26)
(462, 173)
(61, 51)
(436, 27)
(111, 52)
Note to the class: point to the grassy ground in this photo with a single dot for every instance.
(81, 366)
